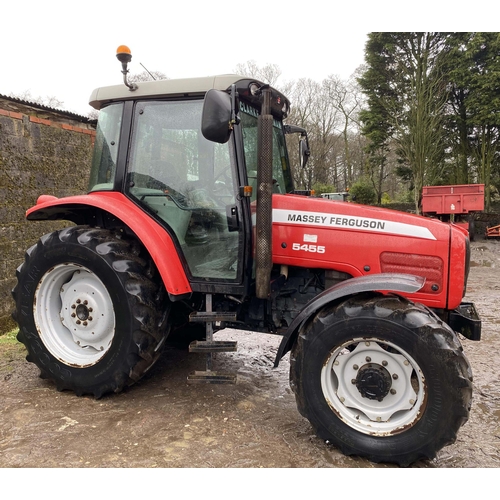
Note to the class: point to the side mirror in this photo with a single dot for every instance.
(304, 151)
(216, 118)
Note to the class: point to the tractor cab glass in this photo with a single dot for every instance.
(102, 174)
(186, 181)
(282, 179)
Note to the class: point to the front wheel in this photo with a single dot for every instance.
(380, 377)
(91, 310)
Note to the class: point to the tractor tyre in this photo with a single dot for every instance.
(92, 311)
(182, 331)
(472, 229)
(380, 377)
(181, 337)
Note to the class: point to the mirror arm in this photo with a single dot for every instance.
(235, 118)
(294, 129)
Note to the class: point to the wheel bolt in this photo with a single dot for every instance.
(78, 321)
(384, 363)
(353, 381)
(90, 309)
(368, 359)
(90, 318)
(395, 376)
(73, 315)
(73, 306)
(412, 401)
(356, 367)
(393, 391)
(85, 302)
(406, 362)
(342, 400)
(367, 344)
(78, 301)
(85, 323)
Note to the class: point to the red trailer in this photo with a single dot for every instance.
(455, 203)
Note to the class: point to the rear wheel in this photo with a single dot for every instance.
(91, 312)
(380, 377)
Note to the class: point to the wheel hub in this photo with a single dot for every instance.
(373, 382)
(82, 312)
(74, 314)
(373, 385)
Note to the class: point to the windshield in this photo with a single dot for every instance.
(282, 177)
(102, 174)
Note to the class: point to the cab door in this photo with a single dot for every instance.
(189, 185)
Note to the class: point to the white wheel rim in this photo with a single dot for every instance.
(74, 315)
(397, 380)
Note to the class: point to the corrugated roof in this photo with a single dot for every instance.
(69, 114)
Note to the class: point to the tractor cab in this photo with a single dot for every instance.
(150, 146)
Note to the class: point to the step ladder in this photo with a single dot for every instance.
(210, 346)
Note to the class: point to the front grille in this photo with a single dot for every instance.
(427, 266)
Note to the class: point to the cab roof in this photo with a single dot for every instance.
(163, 88)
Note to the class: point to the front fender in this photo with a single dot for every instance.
(157, 241)
(405, 283)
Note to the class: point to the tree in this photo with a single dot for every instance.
(457, 68)
(472, 114)
(269, 73)
(147, 76)
(329, 112)
(346, 98)
(484, 103)
(406, 95)
(363, 192)
(48, 101)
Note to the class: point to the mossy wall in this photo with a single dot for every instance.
(41, 152)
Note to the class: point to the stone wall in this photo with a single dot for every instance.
(42, 151)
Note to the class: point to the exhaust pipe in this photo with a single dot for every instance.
(263, 248)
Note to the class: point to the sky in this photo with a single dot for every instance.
(66, 49)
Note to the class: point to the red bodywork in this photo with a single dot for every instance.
(311, 233)
(360, 240)
(157, 241)
(456, 199)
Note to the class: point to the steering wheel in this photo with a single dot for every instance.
(223, 186)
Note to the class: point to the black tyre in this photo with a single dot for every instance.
(382, 378)
(90, 310)
(472, 229)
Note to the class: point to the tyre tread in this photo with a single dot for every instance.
(143, 291)
(423, 322)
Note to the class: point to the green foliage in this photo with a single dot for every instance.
(385, 199)
(434, 99)
(363, 192)
(9, 338)
(405, 197)
(406, 95)
(324, 188)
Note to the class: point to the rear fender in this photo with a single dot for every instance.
(157, 241)
(405, 283)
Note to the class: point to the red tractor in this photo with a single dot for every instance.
(192, 224)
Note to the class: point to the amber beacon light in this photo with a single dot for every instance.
(124, 55)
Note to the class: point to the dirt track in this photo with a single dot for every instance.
(162, 422)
